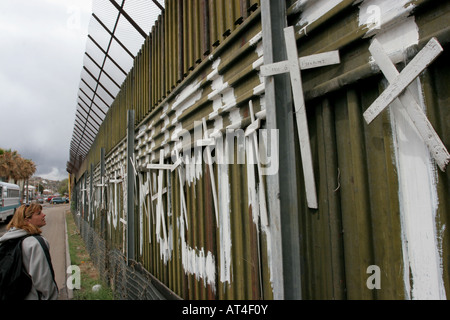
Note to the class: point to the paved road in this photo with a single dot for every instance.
(55, 233)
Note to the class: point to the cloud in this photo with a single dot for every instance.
(43, 43)
(55, 175)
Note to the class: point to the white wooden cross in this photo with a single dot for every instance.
(160, 221)
(398, 88)
(116, 182)
(182, 198)
(253, 149)
(293, 65)
(208, 142)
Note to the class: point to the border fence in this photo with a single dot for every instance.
(209, 179)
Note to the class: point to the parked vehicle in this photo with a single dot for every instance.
(9, 200)
(54, 200)
(57, 200)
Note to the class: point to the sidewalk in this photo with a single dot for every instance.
(56, 233)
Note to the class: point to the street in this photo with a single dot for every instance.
(55, 233)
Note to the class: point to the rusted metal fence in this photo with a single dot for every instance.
(201, 199)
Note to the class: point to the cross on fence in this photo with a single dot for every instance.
(160, 221)
(209, 142)
(398, 88)
(293, 65)
(253, 153)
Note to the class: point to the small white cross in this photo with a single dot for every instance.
(398, 88)
(170, 167)
(115, 181)
(250, 132)
(159, 204)
(209, 142)
(293, 65)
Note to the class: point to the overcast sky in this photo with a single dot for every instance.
(41, 57)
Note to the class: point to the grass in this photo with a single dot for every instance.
(89, 274)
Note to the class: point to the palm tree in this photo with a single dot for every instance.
(13, 166)
(8, 164)
(27, 169)
(3, 165)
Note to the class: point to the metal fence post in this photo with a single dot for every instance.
(91, 195)
(282, 187)
(85, 204)
(130, 186)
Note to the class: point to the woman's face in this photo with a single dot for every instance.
(37, 219)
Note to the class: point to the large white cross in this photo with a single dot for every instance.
(293, 65)
(398, 88)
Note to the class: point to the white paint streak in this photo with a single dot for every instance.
(256, 198)
(218, 124)
(235, 117)
(193, 165)
(253, 194)
(255, 40)
(196, 262)
(418, 204)
(224, 213)
(312, 10)
(186, 99)
(222, 94)
(216, 85)
(391, 25)
(299, 5)
(399, 38)
(383, 14)
(144, 191)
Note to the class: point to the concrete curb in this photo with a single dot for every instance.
(68, 261)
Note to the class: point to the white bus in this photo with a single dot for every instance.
(9, 200)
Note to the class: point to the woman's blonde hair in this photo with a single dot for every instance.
(25, 212)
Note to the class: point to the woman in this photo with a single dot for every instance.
(28, 220)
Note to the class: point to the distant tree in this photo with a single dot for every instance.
(26, 170)
(63, 187)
